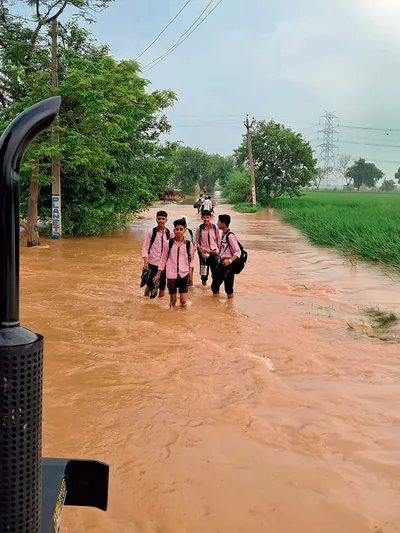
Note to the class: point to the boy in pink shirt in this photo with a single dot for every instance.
(229, 251)
(178, 262)
(156, 242)
(208, 239)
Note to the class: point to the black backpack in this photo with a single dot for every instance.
(153, 237)
(239, 264)
(188, 243)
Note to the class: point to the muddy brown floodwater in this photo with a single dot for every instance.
(265, 414)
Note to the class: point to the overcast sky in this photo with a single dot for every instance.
(283, 59)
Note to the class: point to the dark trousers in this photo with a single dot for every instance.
(211, 263)
(163, 278)
(223, 274)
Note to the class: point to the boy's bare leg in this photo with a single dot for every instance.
(146, 291)
(161, 294)
(183, 298)
(230, 296)
(172, 301)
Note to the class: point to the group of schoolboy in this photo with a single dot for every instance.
(169, 256)
(204, 203)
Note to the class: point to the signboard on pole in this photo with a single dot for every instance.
(56, 217)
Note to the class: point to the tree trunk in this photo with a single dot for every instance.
(31, 232)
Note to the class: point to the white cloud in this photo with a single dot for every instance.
(338, 53)
(383, 15)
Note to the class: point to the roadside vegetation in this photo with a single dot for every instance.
(379, 325)
(360, 225)
(244, 207)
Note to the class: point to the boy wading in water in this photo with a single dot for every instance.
(156, 242)
(188, 235)
(208, 239)
(229, 251)
(178, 262)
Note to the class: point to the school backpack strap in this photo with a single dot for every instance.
(239, 264)
(154, 235)
(153, 238)
(214, 228)
(171, 243)
(188, 251)
(191, 232)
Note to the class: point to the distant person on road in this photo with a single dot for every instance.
(178, 261)
(199, 203)
(229, 251)
(208, 240)
(207, 204)
(156, 242)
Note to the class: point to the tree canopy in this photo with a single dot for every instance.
(388, 186)
(237, 187)
(194, 166)
(342, 167)
(113, 162)
(283, 160)
(363, 173)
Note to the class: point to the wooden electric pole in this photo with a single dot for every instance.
(55, 166)
(248, 126)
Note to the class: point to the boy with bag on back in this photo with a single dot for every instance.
(156, 242)
(178, 262)
(229, 251)
(208, 239)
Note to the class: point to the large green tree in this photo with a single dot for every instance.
(220, 169)
(237, 187)
(112, 160)
(196, 167)
(283, 160)
(191, 167)
(388, 186)
(363, 173)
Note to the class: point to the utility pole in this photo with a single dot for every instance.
(55, 165)
(248, 127)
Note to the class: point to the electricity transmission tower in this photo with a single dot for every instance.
(328, 148)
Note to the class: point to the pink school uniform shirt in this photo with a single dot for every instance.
(210, 239)
(177, 264)
(159, 245)
(229, 250)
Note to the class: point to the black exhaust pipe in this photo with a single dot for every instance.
(32, 490)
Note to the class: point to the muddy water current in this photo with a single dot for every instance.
(276, 412)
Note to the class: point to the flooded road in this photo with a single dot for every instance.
(266, 414)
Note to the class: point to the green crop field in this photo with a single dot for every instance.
(362, 225)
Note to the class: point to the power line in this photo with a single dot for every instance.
(370, 128)
(379, 160)
(180, 41)
(371, 144)
(166, 27)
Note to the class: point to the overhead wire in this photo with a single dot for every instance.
(345, 141)
(181, 40)
(370, 128)
(163, 31)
